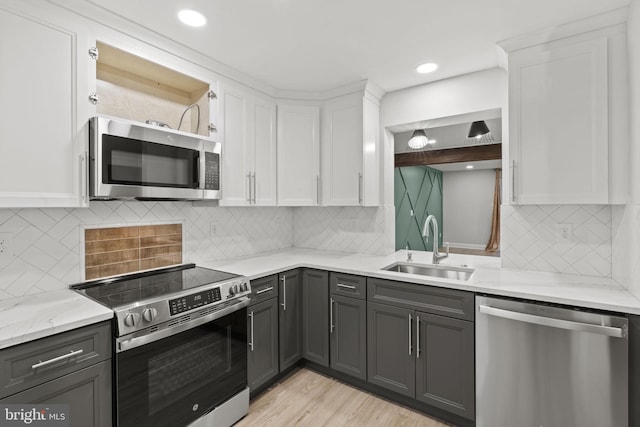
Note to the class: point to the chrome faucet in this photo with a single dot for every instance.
(425, 233)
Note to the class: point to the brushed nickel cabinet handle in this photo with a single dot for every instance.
(262, 291)
(251, 342)
(41, 364)
(410, 337)
(284, 293)
(331, 325)
(417, 337)
(350, 287)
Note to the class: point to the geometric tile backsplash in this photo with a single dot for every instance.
(48, 243)
(529, 239)
(344, 229)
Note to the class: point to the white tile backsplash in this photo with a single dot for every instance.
(47, 243)
(626, 247)
(344, 229)
(529, 239)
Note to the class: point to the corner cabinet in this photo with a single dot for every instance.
(247, 132)
(298, 155)
(44, 85)
(351, 150)
(315, 316)
(568, 117)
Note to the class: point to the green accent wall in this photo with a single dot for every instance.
(417, 189)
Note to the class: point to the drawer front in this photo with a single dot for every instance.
(27, 365)
(428, 299)
(348, 285)
(264, 288)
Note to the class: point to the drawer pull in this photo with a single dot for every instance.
(350, 287)
(262, 291)
(56, 359)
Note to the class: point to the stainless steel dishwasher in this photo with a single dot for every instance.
(540, 365)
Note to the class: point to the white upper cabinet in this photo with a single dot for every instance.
(298, 155)
(263, 144)
(248, 134)
(568, 123)
(42, 81)
(351, 151)
(233, 131)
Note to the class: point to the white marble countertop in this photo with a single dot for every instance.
(489, 277)
(31, 317)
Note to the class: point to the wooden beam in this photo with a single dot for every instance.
(450, 155)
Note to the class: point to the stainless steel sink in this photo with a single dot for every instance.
(432, 270)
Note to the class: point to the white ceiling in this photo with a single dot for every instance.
(316, 45)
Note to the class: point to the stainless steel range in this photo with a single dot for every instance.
(180, 345)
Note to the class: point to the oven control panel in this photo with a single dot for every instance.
(189, 302)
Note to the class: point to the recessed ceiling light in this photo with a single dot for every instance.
(469, 166)
(427, 68)
(192, 18)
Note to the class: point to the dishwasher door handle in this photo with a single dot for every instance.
(610, 331)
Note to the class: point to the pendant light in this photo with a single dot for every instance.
(419, 139)
(478, 129)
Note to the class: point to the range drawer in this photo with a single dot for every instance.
(264, 288)
(348, 285)
(428, 299)
(27, 365)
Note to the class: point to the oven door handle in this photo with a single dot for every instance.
(135, 340)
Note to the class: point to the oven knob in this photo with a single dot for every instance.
(244, 287)
(131, 319)
(233, 289)
(149, 314)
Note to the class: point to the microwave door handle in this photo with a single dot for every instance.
(200, 171)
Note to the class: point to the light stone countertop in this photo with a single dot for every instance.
(489, 277)
(36, 316)
(31, 317)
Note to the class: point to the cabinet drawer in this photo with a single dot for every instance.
(428, 299)
(264, 288)
(27, 365)
(348, 285)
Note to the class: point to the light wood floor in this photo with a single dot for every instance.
(310, 399)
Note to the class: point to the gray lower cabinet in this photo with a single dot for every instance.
(72, 368)
(445, 363)
(315, 316)
(262, 354)
(290, 317)
(87, 392)
(391, 362)
(419, 352)
(348, 335)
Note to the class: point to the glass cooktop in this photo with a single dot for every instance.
(119, 291)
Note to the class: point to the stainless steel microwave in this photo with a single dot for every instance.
(131, 160)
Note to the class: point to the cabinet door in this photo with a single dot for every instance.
(263, 179)
(445, 376)
(390, 354)
(315, 316)
(87, 392)
(43, 85)
(349, 336)
(298, 155)
(263, 342)
(342, 149)
(290, 297)
(233, 130)
(558, 108)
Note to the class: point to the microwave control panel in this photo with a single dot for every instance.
(211, 171)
